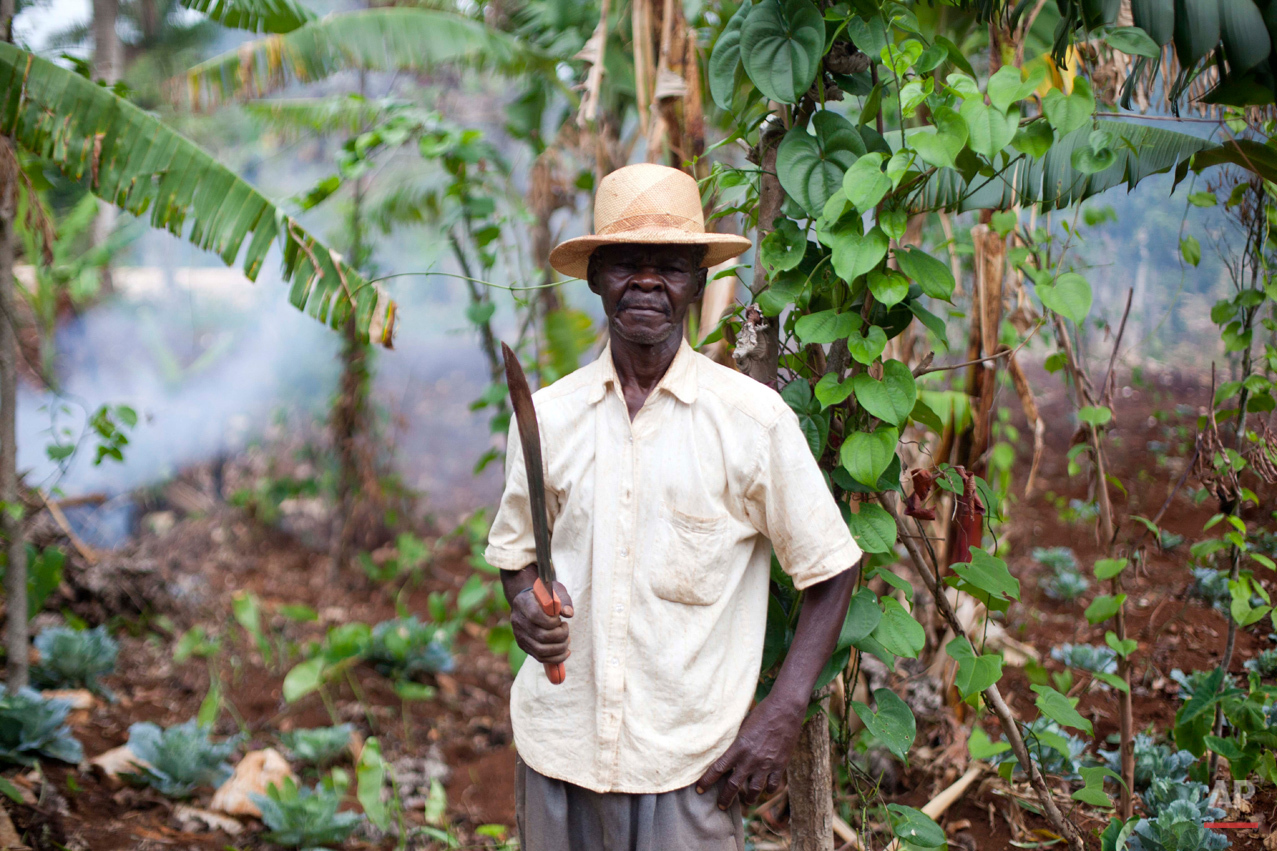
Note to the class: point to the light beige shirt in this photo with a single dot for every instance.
(660, 533)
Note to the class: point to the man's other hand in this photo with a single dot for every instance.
(543, 637)
(755, 763)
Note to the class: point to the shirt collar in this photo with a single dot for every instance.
(680, 379)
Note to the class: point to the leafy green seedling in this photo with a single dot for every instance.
(181, 759)
(1153, 761)
(300, 817)
(404, 647)
(318, 746)
(75, 658)
(32, 726)
(1086, 657)
(1179, 827)
(1265, 664)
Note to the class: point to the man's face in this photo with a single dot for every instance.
(647, 289)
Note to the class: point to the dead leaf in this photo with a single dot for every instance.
(193, 818)
(255, 772)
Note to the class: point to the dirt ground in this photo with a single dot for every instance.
(187, 568)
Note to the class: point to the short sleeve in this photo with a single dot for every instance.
(511, 543)
(789, 502)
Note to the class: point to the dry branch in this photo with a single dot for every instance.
(992, 695)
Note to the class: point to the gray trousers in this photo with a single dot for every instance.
(555, 815)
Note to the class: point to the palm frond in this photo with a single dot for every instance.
(260, 16)
(1052, 182)
(387, 39)
(133, 160)
(338, 114)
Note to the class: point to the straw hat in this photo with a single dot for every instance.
(649, 204)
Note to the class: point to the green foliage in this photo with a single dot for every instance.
(384, 39)
(1264, 664)
(32, 726)
(1054, 750)
(1178, 827)
(1153, 761)
(272, 16)
(1066, 581)
(1163, 791)
(44, 575)
(179, 759)
(74, 658)
(405, 647)
(1087, 657)
(302, 817)
(319, 745)
(96, 137)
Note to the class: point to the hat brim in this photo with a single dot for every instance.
(572, 257)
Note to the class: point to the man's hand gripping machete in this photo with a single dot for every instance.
(530, 437)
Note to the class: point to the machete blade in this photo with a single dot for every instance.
(530, 438)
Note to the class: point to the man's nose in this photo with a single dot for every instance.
(648, 278)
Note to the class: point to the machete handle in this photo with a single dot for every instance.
(550, 603)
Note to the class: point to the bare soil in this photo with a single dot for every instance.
(196, 564)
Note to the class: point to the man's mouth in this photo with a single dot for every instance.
(651, 309)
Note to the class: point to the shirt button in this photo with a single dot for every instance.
(625, 551)
(618, 608)
(613, 662)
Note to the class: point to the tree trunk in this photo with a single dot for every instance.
(15, 578)
(811, 793)
(108, 63)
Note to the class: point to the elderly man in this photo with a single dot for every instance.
(669, 480)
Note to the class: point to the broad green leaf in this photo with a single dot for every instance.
(1122, 648)
(781, 43)
(915, 828)
(825, 326)
(1107, 568)
(893, 724)
(975, 673)
(1092, 791)
(831, 391)
(854, 254)
(1133, 41)
(1069, 112)
(1096, 155)
(941, 146)
(980, 747)
(1111, 679)
(922, 413)
(988, 574)
(1104, 607)
(304, 678)
(1034, 139)
(271, 16)
(810, 166)
(389, 39)
(867, 346)
(891, 399)
(724, 63)
(933, 276)
(1096, 415)
(1246, 37)
(1060, 709)
(893, 223)
(864, 183)
(898, 631)
(888, 286)
(1155, 17)
(866, 455)
(1190, 249)
(784, 247)
(873, 528)
(863, 617)
(990, 129)
(1070, 296)
(130, 158)
(371, 777)
(1006, 86)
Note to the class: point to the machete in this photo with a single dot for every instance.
(530, 437)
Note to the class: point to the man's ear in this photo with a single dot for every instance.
(702, 275)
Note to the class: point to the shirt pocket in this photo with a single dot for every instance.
(694, 569)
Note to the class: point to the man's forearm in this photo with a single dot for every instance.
(515, 582)
(824, 608)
